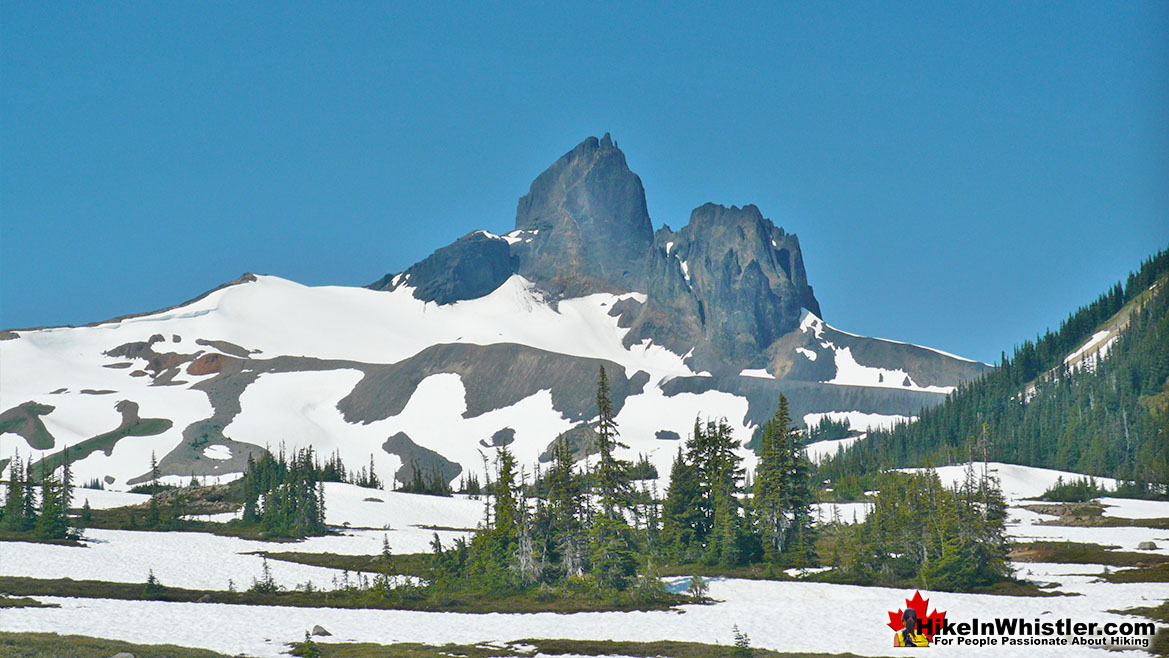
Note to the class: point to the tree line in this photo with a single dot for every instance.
(594, 527)
(1108, 418)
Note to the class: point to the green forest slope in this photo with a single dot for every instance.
(1110, 418)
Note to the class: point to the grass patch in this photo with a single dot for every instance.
(407, 564)
(1157, 573)
(543, 599)
(31, 537)
(104, 442)
(22, 602)
(1158, 613)
(38, 645)
(662, 649)
(1091, 515)
(1070, 552)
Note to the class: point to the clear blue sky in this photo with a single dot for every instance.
(960, 175)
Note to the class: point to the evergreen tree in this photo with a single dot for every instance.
(613, 484)
(681, 515)
(51, 522)
(13, 516)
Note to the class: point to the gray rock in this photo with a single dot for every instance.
(586, 223)
(123, 654)
(667, 435)
(503, 437)
(320, 630)
(471, 267)
(582, 440)
(1147, 546)
(418, 459)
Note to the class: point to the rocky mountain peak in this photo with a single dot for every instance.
(587, 223)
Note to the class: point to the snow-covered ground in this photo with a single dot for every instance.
(763, 610)
(773, 614)
(821, 450)
(1017, 482)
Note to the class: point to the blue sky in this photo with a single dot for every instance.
(960, 175)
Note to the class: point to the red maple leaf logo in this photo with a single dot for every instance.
(919, 606)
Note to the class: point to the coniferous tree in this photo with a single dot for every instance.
(29, 500)
(613, 484)
(681, 515)
(13, 516)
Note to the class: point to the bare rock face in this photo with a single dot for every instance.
(734, 280)
(585, 223)
(471, 267)
(727, 286)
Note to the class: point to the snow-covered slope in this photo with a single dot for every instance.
(268, 361)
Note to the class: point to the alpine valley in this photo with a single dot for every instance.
(491, 340)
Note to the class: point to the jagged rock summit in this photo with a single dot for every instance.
(491, 340)
(723, 289)
(585, 223)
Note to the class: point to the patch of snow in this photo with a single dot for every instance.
(761, 373)
(1017, 482)
(859, 420)
(217, 451)
(685, 270)
(104, 499)
(669, 246)
(851, 373)
(1132, 508)
(820, 450)
(811, 323)
(840, 512)
(808, 354)
(1093, 342)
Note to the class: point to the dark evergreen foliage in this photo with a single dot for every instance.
(1107, 418)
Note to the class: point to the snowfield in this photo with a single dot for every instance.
(763, 610)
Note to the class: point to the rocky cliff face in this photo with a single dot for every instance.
(585, 223)
(724, 288)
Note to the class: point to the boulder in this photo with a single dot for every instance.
(1147, 546)
(320, 630)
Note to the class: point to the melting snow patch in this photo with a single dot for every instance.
(809, 354)
(859, 420)
(820, 450)
(217, 451)
(849, 372)
(761, 373)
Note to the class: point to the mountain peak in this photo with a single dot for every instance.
(589, 216)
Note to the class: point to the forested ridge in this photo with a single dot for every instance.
(1107, 418)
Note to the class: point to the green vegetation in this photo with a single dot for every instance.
(104, 442)
(293, 500)
(552, 647)
(23, 602)
(37, 645)
(595, 532)
(1069, 552)
(21, 517)
(432, 483)
(351, 591)
(1109, 418)
(829, 430)
(922, 534)
(410, 564)
(1076, 491)
(1154, 573)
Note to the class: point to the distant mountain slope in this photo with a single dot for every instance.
(491, 338)
(1092, 397)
